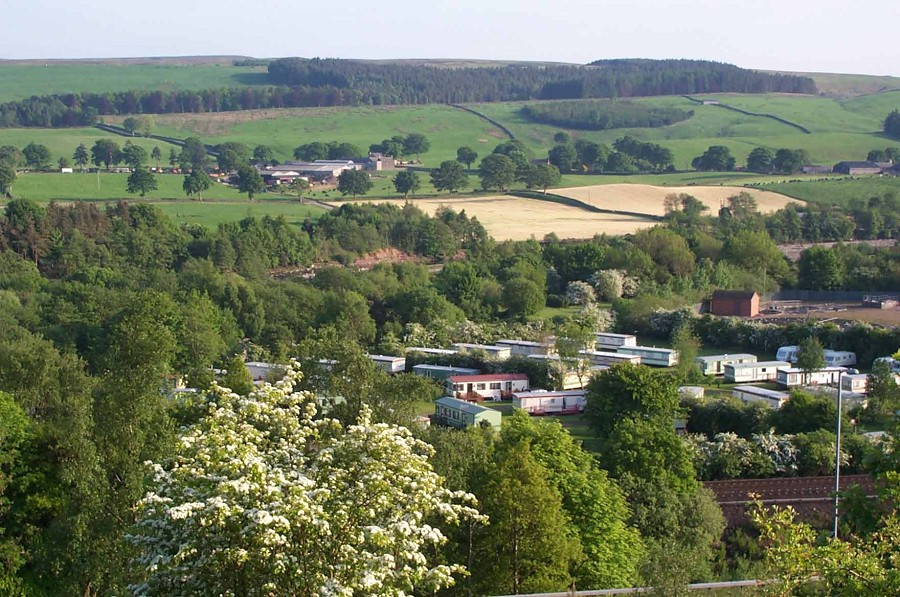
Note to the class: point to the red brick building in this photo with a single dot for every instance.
(741, 303)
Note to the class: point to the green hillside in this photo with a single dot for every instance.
(447, 128)
(21, 80)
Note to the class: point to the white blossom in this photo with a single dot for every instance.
(262, 498)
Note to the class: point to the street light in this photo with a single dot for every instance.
(837, 454)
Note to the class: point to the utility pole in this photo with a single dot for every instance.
(837, 454)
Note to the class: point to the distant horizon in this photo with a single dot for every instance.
(214, 57)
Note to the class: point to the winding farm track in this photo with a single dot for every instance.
(812, 497)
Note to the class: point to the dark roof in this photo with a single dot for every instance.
(857, 165)
(743, 295)
(461, 405)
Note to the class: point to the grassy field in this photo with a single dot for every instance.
(840, 191)
(22, 80)
(842, 129)
(62, 142)
(106, 186)
(447, 128)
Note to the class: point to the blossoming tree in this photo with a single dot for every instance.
(262, 498)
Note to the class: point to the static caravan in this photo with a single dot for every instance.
(435, 351)
(612, 342)
(389, 364)
(839, 358)
(650, 355)
(499, 353)
(749, 394)
(759, 371)
(493, 386)
(893, 363)
(858, 383)
(459, 413)
(691, 392)
(525, 348)
(542, 402)
(442, 372)
(258, 371)
(599, 357)
(787, 353)
(793, 377)
(715, 364)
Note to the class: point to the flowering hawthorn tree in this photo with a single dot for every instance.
(262, 499)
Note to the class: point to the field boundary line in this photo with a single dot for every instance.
(569, 201)
(799, 127)
(486, 118)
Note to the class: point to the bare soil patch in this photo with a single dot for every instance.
(650, 199)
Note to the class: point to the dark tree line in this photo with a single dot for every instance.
(601, 115)
(327, 82)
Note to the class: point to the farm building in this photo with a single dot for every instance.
(854, 168)
(542, 402)
(500, 353)
(611, 342)
(749, 394)
(600, 357)
(759, 371)
(858, 383)
(741, 303)
(320, 169)
(526, 348)
(492, 386)
(816, 169)
(389, 364)
(441, 372)
(793, 377)
(839, 358)
(650, 355)
(379, 162)
(715, 364)
(274, 175)
(459, 413)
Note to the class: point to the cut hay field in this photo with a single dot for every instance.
(650, 199)
(512, 218)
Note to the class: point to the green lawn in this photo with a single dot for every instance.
(105, 186)
(19, 81)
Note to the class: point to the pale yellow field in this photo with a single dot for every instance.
(512, 218)
(649, 199)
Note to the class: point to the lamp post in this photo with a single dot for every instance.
(837, 454)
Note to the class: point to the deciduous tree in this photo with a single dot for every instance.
(196, 183)
(37, 156)
(354, 183)
(141, 181)
(406, 182)
(498, 172)
(466, 155)
(249, 181)
(449, 176)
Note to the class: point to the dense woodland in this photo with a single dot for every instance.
(601, 115)
(300, 82)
